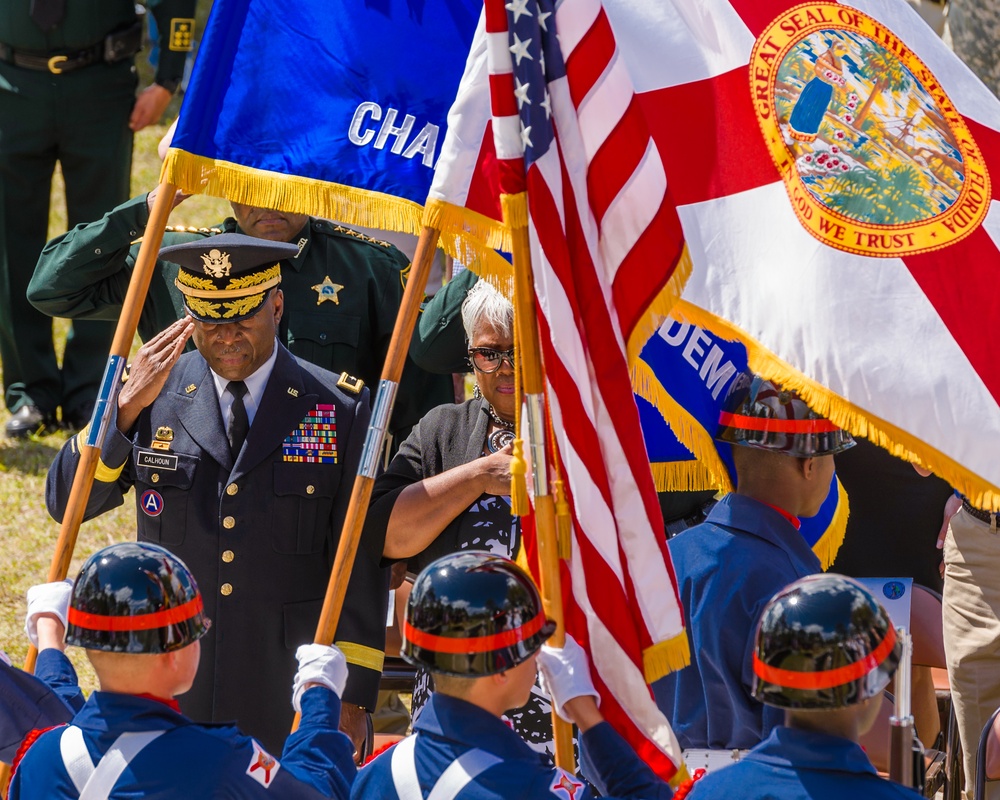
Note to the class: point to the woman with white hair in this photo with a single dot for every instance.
(447, 489)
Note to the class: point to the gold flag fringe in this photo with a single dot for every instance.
(687, 430)
(466, 236)
(665, 657)
(658, 310)
(298, 195)
(564, 522)
(682, 476)
(828, 545)
(858, 422)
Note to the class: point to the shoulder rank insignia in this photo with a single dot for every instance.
(164, 436)
(327, 290)
(350, 383)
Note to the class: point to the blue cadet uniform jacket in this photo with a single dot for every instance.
(793, 764)
(190, 760)
(259, 535)
(727, 569)
(30, 702)
(461, 752)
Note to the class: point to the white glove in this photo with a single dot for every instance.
(47, 598)
(565, 674)
(319, 663)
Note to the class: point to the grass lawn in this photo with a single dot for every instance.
(27, 533)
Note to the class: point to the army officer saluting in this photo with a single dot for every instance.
(242, 458)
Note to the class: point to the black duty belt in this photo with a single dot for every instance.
(979, 514)
(116, 46)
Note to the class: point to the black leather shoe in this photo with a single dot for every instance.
(28, 420)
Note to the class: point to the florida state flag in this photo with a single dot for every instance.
(834, 168)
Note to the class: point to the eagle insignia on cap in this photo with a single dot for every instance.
(216, 263)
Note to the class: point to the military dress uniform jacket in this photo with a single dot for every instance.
(342, 294)
(195, 761)
(794, 764)
(727, 569)
(451, 733)
(259, 535)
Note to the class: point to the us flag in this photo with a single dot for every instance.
(605, 243)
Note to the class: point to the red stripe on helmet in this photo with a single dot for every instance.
(827, 679)
(772, 425)
(473, 644)
(137, 622)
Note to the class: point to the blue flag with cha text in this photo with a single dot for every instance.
(326, 107)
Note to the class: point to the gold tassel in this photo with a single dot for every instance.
(564, 522)
(665, 657)
(518, 481)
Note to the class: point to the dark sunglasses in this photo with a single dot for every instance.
(488, 360)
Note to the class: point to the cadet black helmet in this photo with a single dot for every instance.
(759, 414)
(823, 642)
(135, 597)
(472, 614)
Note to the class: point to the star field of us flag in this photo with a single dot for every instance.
(326, 107)
(574, 151)
(835, 168)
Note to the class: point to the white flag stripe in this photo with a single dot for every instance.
(573, 20)
(467, 122)
(604, 106)
(507, 137)
(624, 680)
(631, 212)
(673, 42)
(498, 53)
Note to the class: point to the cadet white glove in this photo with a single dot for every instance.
(319, 663)
(47, 598)
(565, 674)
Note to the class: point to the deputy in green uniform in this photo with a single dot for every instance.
(67, 94)
(342, 291)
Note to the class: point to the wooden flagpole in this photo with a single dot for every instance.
(532, 378)
(399, 345)
(90, 452)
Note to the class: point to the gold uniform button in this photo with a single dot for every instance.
(155, 477)
(226, 589)
(232, 489)
(228, 556)
(310, 489)
(229, 522)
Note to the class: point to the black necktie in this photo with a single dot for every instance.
(47, 14)
(240, 422)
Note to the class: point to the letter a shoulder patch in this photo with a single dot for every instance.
(263, 767)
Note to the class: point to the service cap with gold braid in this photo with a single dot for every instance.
(226, 278)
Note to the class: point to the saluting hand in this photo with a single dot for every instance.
(149, 371)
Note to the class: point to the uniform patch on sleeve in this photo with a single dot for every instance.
(263, 766)
(181, 34)
(565, 785)
(314, 440)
